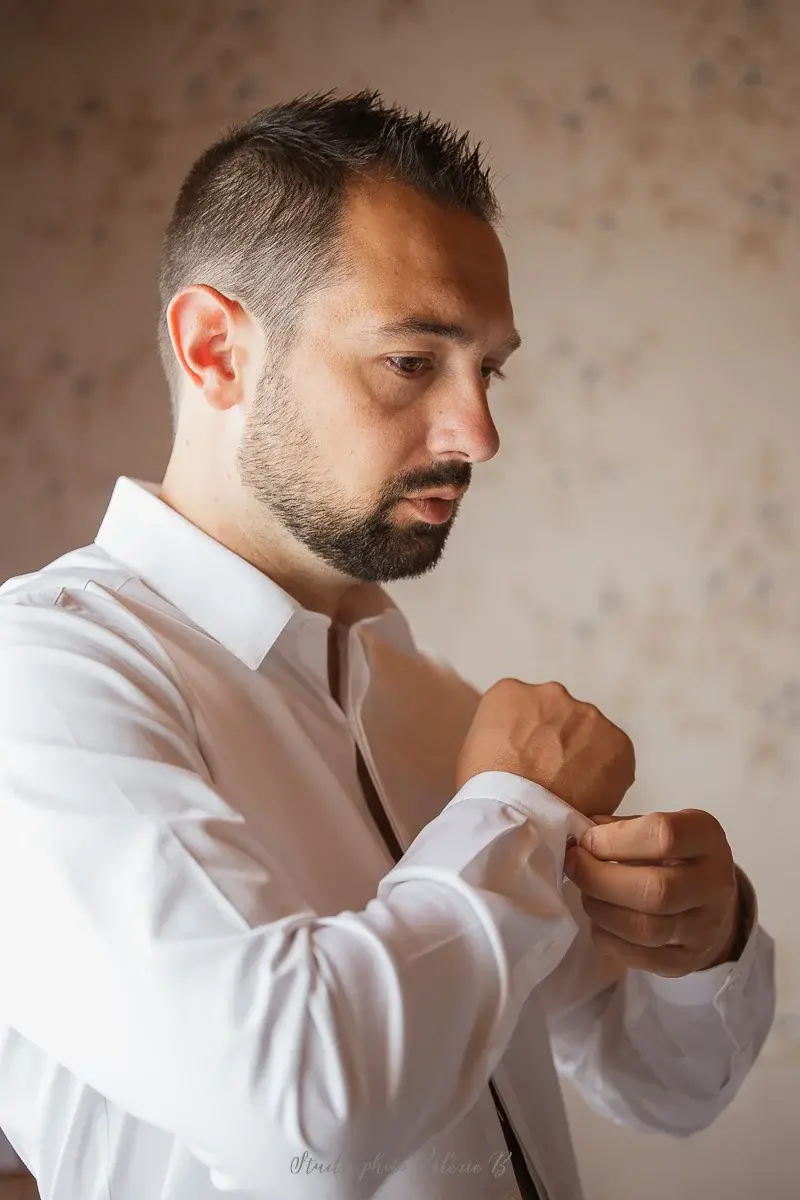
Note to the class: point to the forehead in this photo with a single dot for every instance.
(404, 252)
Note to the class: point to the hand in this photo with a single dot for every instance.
(660, 890)
(541, 732)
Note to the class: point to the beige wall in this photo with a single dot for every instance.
(637, 538)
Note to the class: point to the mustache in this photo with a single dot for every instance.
(453, 474)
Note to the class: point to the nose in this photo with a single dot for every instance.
(462, 426)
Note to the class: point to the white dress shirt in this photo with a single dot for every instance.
(214, 979)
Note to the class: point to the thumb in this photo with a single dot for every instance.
(606, 820)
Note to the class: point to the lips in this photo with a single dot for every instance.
(434, 510)
(441, 494)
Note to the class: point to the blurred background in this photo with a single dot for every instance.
(637, 538)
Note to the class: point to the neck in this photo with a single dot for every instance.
(227, 515)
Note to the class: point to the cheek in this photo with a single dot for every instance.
(363, 440)
(373, 444)
(364, 457)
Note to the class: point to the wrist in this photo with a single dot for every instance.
(739, 932)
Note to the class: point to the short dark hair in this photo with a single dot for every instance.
(259, 212)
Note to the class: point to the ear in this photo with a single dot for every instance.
(207, 330)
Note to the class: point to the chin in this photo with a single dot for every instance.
(415, 559)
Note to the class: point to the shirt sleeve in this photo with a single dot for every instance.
(338, 1036)
(657, 1054)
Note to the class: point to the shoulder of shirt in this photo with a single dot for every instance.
(79, 597)
(72, 571)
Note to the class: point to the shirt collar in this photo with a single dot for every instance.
(240, 607)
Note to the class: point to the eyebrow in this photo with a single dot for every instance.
(424, 327)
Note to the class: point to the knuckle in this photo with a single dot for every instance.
(657, 891)
(651, 930)
(504, 691)
(555, 689)
(507, 684)
(662, 834)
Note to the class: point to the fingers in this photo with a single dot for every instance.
(671, 961)
(642, 929)
(660, 890)
(657, 889)
(656, 837)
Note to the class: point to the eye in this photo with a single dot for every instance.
(408, 364)
(490, 374)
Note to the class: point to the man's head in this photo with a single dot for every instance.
(334, 305)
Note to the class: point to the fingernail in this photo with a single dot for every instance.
(571, 841)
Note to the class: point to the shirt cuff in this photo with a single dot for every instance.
(555, 819)
(704, 987)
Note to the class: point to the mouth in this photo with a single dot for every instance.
(435, 508)
(448, 493)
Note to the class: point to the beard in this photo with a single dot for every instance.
(279, 465)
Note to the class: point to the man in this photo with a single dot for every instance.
(219, 738)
